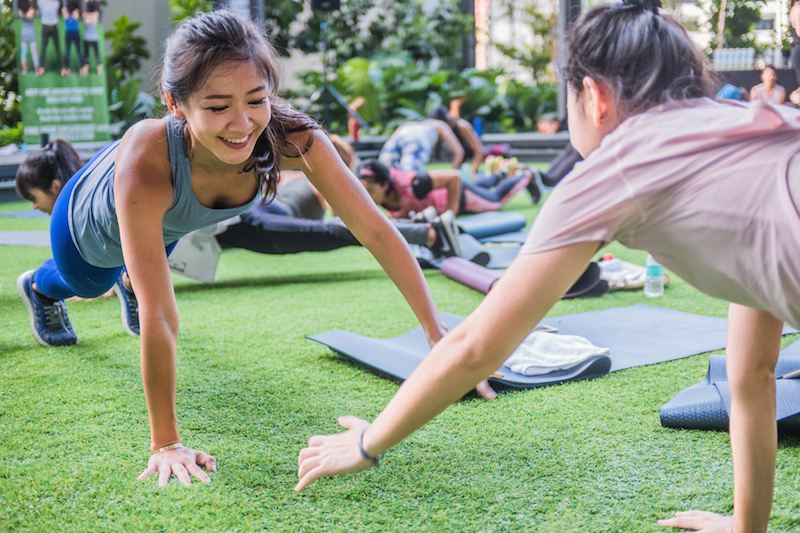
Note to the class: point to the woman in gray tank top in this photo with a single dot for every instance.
(218, 152)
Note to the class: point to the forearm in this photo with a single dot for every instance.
(158, 360)
(478, 346)
(753, 345)
(395, 257)
(454, 196)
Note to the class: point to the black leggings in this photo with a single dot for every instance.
(90, 45)
(73, 37)
(51, 33)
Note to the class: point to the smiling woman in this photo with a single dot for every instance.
(217, 153)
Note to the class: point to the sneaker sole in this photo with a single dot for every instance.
(452, 237)
(124, 310)
(29, 306)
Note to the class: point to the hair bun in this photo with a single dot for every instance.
(646, 5)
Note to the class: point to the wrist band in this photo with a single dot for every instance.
(168, 447)
(364, 454)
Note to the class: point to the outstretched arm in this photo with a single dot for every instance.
(471, 136)
(450, 140)
(450, 180)
(348, 198)
(472, 351)
(143, 193)
(754, 340)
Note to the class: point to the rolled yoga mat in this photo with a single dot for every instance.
(482, 279)
(636, 335)
(707, 404)
(491, 223)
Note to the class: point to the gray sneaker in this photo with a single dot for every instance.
(447, 243)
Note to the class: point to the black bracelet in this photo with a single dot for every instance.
(364, 454)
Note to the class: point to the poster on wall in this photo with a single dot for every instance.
(60, 61)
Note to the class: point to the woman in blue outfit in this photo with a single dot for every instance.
(219, 150)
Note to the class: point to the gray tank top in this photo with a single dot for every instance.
(93, 216)
(296, 199)
(90, 32)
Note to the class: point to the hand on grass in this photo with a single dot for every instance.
(701, 521)
(183, 462)
(332, 455)
(486, 390)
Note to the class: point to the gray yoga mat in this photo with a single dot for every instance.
(399, 356)
(491, 223)
(30, 213)
(25, 238)
(707, 404)
(636, 335)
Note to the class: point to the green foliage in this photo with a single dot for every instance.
(9, 88)
(534, 58)
(126, 104)
(398, 89)
(366, 28)
(740, 17)
(15, 135)
(183, 9)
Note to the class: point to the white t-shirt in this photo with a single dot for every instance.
(706, 187)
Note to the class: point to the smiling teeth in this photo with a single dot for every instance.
(235, 141)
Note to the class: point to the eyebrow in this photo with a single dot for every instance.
(223, 96)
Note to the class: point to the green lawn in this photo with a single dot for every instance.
(585, 457)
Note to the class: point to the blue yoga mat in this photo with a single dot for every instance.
(636, 335)
(25, 238)
(707, 404)
(518, 237)
(30, 213)
(491, 223)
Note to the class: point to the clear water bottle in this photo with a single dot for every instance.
(654, 282)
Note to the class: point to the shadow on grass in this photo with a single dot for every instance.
(271, 281)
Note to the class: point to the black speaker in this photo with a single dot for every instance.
(325, 5)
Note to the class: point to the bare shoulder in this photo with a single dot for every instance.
(143, 153)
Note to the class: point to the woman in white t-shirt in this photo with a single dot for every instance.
(706, 186)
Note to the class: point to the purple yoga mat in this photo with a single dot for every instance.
(483, 279)
(470, 274)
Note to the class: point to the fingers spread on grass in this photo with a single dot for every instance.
(333, 454)
(208, 461)
(182, 474)
(701, 521)
(486, 390)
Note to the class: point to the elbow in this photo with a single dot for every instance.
(470, 354)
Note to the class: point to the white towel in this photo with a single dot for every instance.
(542, 353)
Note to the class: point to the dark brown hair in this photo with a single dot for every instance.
(646, 58)
(58, 160)
(204, 42)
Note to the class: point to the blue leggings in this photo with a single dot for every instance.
(67, 274)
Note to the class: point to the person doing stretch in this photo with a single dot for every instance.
(220, 148)
(409, 148)
(665, 170)
(401, 192)
(292, 225)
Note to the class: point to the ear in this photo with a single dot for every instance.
(598, 105)
(172, 105)
(55, 187)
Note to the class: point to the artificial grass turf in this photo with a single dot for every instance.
(586, 456)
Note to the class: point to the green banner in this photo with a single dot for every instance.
(60, 57)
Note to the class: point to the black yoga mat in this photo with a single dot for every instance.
(637, 335)
(707, 404)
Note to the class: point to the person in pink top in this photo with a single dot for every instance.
(710, 188)
(400, 192)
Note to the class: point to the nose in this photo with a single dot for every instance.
(241, 121)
